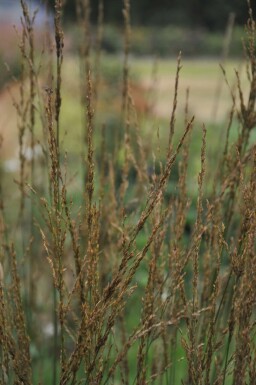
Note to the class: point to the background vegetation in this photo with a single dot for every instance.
(127, 212)
(211, 15)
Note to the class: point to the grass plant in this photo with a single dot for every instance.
(111, 270)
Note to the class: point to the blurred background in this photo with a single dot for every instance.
(211, 15)
(207, 33)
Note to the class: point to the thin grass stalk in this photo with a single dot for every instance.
(245, 300)
(28, 59)
(174, 105)
(100, 31)
(59, 41)
(22, 126)
(57, 233)
(20, 349)
(83, 11)
(225, 53)
(127, 37)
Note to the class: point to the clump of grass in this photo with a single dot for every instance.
(134, 295)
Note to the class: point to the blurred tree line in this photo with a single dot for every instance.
(210, 14)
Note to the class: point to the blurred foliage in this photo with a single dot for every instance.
(165, 41)
(9, 69)
(211, 14)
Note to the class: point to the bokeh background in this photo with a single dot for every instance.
(209, 35)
